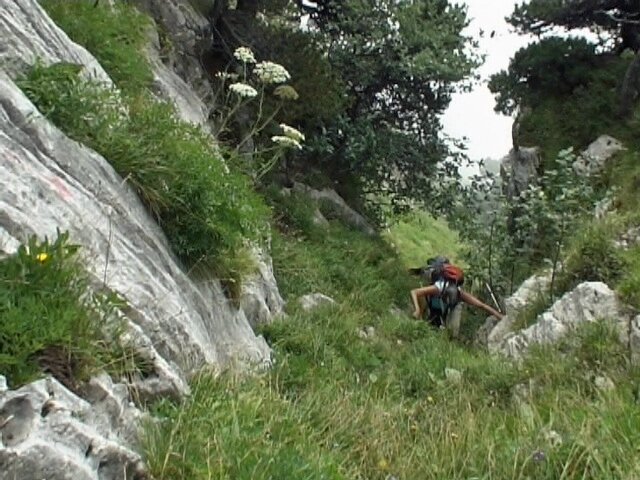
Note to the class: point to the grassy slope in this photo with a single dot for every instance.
(336, 405)
(417, 236)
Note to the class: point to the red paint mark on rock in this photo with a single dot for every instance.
(60, 187)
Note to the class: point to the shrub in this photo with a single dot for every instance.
(205, 208)
(50, 322)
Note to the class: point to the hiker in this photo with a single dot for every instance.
(444, 295)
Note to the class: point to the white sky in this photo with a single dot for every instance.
(471, 115)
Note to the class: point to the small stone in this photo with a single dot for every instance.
(603, 383)
(313, 300)
(453, 375)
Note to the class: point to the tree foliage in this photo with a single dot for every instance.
(617, 20)
(373, 78)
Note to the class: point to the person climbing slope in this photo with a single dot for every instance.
(444, 296)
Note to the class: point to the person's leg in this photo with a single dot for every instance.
(453, 320)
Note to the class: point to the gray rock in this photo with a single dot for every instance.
(604, 383)
(342, 209)
(588, 302)
(313, 300)
(319, 219)
(493, 332)
(628, 239)
(366, 332)
(171, 87)
(519, 169)
(49, 182)
(482, 334)
(598, 153)
(452, 375)
(634, 339)
(49, 432)
(188, 35)
(260, 299)
(29, 35)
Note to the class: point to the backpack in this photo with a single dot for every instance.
(439, 268)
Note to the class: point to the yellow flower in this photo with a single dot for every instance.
(430, 399)
(383, 464)
(42, 257)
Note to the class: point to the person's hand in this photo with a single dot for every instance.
(417, 314)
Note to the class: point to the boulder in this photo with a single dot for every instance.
(313, 300)
(260, 299)
(347, 214)
(597, 154)
(46, 431)
(493, 331)
(588, 302)
(518, 170)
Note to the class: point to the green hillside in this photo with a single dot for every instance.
(358, 389)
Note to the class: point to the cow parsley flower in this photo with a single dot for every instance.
(243, 90)
(286, 142)
(286, 92)
(292, 133)
(227, 76)
(269, 72)
(245, 55)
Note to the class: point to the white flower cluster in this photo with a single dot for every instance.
(292, 133)
(245, 55)
(269, 72)
(243, 90)
(227, 76)
(286, 92)
(291, 138)
(286, 141)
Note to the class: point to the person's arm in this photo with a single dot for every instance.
(417, 294)
(471, 300)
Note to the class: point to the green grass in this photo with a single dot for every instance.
(343, 264)
(417, 236)
(116, 36)
(336, 405)
(206, 209)
(50, 321)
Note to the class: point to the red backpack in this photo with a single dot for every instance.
(452, 273)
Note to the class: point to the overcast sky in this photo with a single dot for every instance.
(471, 115)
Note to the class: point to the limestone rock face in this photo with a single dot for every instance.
(518, 170)
(48, 432)
(189, 36)
(588, 302)
(28, 35)
(49, 182)
(493, 332)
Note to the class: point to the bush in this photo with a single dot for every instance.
(50, 322)
(592, 257)
(206, 209)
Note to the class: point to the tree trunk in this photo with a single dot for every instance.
(630, 84)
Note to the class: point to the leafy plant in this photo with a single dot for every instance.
(51, 322)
